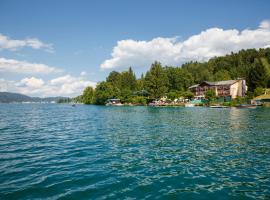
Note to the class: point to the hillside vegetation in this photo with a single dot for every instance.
(8, 97)
(173, 81)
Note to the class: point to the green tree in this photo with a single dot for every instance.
(114, 78)
(188, 94)
(257, 76)
(125, 94)
(172, 95)
(210, 94)
(105, 91)
(259, 91)
(88, 95)
(179, 79)
(156, 81)
(128, 80)
(140, 100)
(124, 83)
(141, 83)
(222, 75)
(186, 79)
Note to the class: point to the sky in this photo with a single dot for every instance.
(57, 48)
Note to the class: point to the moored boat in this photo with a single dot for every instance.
(246, 106)
(114, 102)
(219, 106)
(189, 105)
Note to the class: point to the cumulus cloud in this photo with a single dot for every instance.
(7, 86)
(201, 47)
(265, 24)
(24, 67)
(83, 73)
(14, 45)
(61, 86)
(71, 85)
(31, 82)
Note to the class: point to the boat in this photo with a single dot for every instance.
(246, 106)
(114, 102)
(219, 106)
(189, 105)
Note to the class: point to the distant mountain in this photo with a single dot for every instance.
(8, 97)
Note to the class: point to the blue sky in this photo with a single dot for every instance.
(78, 37)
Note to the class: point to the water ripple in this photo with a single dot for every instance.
(92, 152)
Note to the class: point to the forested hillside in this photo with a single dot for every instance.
(8, 97)
(173, 81)
(251, 64)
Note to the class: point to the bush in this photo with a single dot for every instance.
(188, 94)
(172, 95)
(258, 91)
(210, 94)
(139, 100)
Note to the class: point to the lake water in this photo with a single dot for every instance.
(52, 151)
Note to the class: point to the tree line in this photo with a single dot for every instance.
(174, 81)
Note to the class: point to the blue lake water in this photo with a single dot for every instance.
(52, 151)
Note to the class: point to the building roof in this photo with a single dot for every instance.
(113, 99)
(193, 86)
(229, 82)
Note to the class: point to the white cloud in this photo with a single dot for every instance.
(24, 67)
(83, 73)
(14, 45)
(62, 80)
(71, 85)
(201, 47)
(61, 86)
(6, 85)
(31, 82)
(265, 24)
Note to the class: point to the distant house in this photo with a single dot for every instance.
(230, 88)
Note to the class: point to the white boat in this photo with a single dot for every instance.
(246, 106)
(189, 105)
(218, 106)
(114, 102)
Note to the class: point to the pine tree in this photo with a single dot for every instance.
(156, 81)
(257, 75)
